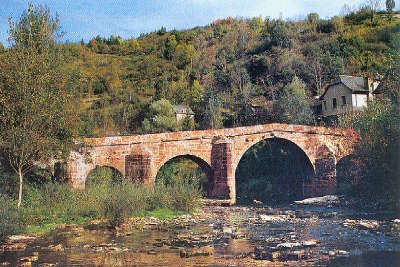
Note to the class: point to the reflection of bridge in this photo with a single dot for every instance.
(140, 157)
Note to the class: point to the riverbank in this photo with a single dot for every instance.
(219, 236)
(47, 206)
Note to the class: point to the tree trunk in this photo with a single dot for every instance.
(20, 187)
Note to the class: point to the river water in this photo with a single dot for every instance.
(223, 236)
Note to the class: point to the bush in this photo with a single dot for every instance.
(10, 222)
(55, 203)
(378, 126)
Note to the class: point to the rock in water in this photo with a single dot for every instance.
(257, 203)
(329, 199)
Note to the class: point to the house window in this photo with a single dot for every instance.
(344, 103)
(334, 103)
(325, 105)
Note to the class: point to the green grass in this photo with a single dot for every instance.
(161, 213)
(41, 229)
(48, 205)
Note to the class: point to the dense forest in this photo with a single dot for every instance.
(232, 72)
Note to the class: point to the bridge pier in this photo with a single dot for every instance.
(222, 184)
(324, 182)
(139, 157)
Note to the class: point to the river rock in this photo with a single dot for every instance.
(29, 258)
(332, 253)
(56, 248)
(194, 252)
(396, 221)
(309, 243)
(273, 218)
(227, 230)
(295, 255)
(13, 247)
(362, 224)
(288, 245)
(303, 214)
(6, 263)
(257, 203)
(266, 253)
(329, 199)
(21, 238)
(342, 253)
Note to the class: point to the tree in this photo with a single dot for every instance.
(378, 126)
(256, 24)
(2, 49)
(373, 5)
(36, 112)
(294, 106)
(161, 118)
(184, 55)
(390, 5)
(280, 34)
(170, 45)
(313, 19)
(187, 124)
(214, 112)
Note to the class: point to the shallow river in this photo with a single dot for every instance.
(224, 236)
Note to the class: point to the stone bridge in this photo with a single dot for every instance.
(140, 157)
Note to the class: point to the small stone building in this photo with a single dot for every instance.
(182, 111)
(347, 94)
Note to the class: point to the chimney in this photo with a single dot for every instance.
(369, 84)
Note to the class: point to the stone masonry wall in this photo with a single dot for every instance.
(139, 157)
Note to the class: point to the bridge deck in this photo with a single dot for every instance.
(211, 133)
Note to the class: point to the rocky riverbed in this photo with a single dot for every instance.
(221, 236)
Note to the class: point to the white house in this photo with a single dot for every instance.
(182, 111)
(347, 94)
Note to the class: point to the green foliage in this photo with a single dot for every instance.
(214, 112)
(279, 32)
(36, 112)
(256, 24)
(103, 177)
(161, 117)
(218, 70)
(294, 105)
(182, 170)
(379, 127)
(313, 20)
(184, 55)
(187, 124)
(10, 222)
(50, 204)
(390, 5)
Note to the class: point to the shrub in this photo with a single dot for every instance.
(10, 222)
(54, 203)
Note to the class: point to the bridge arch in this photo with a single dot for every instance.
(277, 153)
(97, 168)
(200, 161)
(251, 143)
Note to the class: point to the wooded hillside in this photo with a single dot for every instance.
(231, 72)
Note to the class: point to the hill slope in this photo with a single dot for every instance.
(227, 69)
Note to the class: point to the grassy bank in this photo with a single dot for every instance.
(47, 205)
